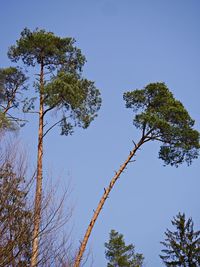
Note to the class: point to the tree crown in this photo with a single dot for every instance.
(12, 82)
(63, 87)
(165, 119)
(11, 79)
(42, 47)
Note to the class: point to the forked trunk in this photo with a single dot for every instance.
(101, 203)
(38, 193)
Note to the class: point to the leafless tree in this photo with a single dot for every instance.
(16, 215)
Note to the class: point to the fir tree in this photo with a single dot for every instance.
(121, 255)
(182, 247)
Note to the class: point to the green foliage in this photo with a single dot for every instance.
(4, 122)
(76, 98)
(15, 219)
(11, 79)
(41, 47)
(165, 119)
(121, 255)
(12, 82)
(182, 247)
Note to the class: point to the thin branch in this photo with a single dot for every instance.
(35, 112)
(48, 109)
(15, 119)
(150, 131)
(51, 128)
(143, 130)
(134, 143)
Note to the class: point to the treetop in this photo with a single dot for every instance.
(165, 119)
(60, 81)
(182, 246)
(121, 255)
(42, 47)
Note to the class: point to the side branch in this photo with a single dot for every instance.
(51, 128)
(102, 201)
(47, 110)
(15, 119)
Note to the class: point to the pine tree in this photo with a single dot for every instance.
(121, 255)
(182, 247)
(12, 83)
(159, 117)
(15, 219)
(60, 87)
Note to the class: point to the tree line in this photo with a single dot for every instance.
(60, 88)
(181, 247)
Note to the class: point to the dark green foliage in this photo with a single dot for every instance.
(77, 99)
(121, 255)
(15, 219)
(12, 82)
(4, 122)
(41, 47)
(182, 247)
(165, 119)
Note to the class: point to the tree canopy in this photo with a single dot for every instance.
(12, 83)
(60, 82)
(165, 119)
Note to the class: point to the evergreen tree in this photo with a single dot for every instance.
(159, 117)
(15, 219)
(121, 255)
(60, 87)
(182, 247)
(12, 83)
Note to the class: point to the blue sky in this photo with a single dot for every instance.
(127, 45)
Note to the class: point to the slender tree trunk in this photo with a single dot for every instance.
(38, 194)
(102, 201)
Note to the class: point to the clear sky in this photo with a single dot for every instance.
(127, 43)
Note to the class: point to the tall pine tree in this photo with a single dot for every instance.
(159, 117)
(59, 87)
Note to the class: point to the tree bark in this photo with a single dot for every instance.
(38, 194)
(102, 201)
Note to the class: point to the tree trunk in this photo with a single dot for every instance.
(38, 194)
(102, 201)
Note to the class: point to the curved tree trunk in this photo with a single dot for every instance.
(38, 193)
(102, 201)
